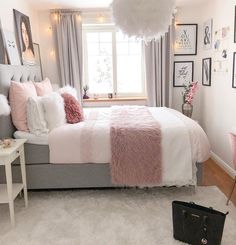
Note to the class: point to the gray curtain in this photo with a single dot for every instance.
(67, 31)
(159, 70)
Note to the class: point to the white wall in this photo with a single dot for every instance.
(216, 104)
(47, 48)
(7, 18)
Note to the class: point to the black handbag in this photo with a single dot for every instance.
(197, 225)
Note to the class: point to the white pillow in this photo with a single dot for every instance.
(54, 112)
(35, 116)
(69, 90)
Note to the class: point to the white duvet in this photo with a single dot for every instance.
(183, 143)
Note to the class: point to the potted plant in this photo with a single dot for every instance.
(85, 88)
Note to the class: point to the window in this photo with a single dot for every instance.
(112, 62)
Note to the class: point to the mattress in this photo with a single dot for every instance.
(36, 148)
(31, 138)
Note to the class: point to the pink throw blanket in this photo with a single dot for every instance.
(135, 146)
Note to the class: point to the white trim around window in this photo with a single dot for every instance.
(89, 28)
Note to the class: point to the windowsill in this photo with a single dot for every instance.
(115, 99)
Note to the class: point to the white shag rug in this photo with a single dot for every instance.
(106, 217)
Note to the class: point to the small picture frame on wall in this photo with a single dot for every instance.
(234, 71)
(206, 72)
(207, 34)
(186, 39)
(37, 56)
(235, 24)
(183, 73)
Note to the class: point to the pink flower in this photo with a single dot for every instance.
(189, 92)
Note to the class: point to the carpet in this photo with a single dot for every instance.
(106, 217)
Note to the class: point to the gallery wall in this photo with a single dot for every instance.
(214, 106)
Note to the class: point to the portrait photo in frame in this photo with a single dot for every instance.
(183, 73)
(207, 34)
(2, 47)
(234, 71)
(186, 39)
(38, 57)
(206, 72)
(24, 38)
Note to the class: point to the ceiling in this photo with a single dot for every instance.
(51, 4)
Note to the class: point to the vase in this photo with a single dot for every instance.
(85, 96)
(187, 109)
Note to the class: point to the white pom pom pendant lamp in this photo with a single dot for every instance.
(143, 19)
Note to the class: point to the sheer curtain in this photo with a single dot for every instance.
(159, 70)
(67, 31)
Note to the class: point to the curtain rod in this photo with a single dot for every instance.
(84, 10)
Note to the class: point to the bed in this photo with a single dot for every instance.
(42, 173)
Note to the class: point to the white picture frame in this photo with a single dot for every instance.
(207, 34)
(183, 73)
(186, 39)
(11, 47)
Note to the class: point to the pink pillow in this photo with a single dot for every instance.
(44, 87)
(73, 109)
(18, 96)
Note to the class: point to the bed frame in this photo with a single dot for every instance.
(40, 173)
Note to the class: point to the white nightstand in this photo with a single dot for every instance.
(9, 191)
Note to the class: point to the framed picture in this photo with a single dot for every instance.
(11, 47)
(2, 48)
(24, 38)
(186, 39)
(183, 73)
(235, 24)
(37, 56)
(234, 71)
(207, 34)
(206, 72)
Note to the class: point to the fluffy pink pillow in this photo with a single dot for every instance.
(44, 87)
(18, 96)
(73, 109)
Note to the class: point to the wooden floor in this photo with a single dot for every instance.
(214, 175)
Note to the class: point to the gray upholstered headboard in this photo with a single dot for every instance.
(10, 73)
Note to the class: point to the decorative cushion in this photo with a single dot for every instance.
(54, 112)
(73, 109)
(44, 87)
(69, 90)
(4, 108)
(18, 95)
(35, 117)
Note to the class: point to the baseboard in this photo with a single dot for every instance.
(228, 169)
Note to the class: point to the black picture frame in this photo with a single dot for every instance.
(235, 24)
(206, 71)
(181, 36)
(234, 71)
(183, 77)
(38, 56)
(24, 38)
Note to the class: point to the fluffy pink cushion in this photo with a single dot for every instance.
(73, 109)
(18, 95)
(44, 87)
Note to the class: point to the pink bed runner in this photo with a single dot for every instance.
(135, 146)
